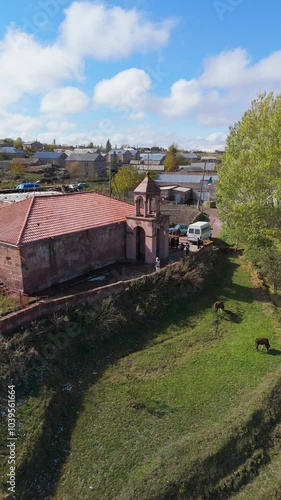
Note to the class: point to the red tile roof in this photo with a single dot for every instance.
(48, 216)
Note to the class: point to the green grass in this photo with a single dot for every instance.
(193, 378)
(150, 410)
(7, 304)
(266, 485)
(30, 415)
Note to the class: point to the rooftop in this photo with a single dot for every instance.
(152, 156)
(10, 150)
(41, 217)
(82, 157)
(47, 155)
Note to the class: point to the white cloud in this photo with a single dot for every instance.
(224, 90)
(16, 124)
(88, 31)
(125, 91)
(64, 101)
(59, 126)
(234, 69)
(111, 32)
(209, 143)
(184, 97)
(30, 67)
(138, 115)
(225, 69)
(217, 97)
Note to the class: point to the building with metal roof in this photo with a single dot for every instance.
(12, 152)
(88, 164)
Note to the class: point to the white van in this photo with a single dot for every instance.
(201, 230)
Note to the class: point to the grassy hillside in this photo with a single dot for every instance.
(178, 406)
(152, 415)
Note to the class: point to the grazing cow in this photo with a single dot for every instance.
(219, 305)
(262, 341)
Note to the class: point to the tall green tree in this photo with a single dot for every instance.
(17, 167)
(249, 187)
(170, 162)
(127, 178)
(108, 146)
(18, 143)
(173, 148)
(268, 261)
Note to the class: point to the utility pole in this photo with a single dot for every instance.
(109, 179)
(200, 204)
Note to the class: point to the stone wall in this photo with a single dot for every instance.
(10, 266)
(56, 260)
(23, 317)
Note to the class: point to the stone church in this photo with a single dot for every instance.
(47, 240)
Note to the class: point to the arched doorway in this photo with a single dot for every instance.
(140, 243)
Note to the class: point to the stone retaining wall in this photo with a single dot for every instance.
(21, 318)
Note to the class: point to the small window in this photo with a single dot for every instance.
(197, 231)
(191, 231)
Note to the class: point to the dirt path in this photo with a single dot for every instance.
(214, 221)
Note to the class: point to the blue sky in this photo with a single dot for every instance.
(139, 73)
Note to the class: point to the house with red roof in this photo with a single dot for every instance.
(47, 240)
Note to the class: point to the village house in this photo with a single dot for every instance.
(47, 240)
(33, 146)
(81, 151)
(190, 157)
(27, 162)
(11, 152)
(5, 165)
(202, 186)
(86, 165)
(5, 144)
(51, 157)
(153, 158)
(120, 157)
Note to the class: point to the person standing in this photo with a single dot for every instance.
(157, 264)
(187, 249)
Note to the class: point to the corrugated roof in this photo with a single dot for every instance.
(118, 151)
(152, 156)
(188, 155)
(82, 157)
(166, 187)
(181, 189)
(43, 217)
(47, 155)
(25, 161)
(208, 158)
(175, 178)
(10, 150)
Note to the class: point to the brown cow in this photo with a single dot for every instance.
(262, 341)
(219, 305)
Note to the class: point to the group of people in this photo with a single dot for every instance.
(184, 248)
(174, 241)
